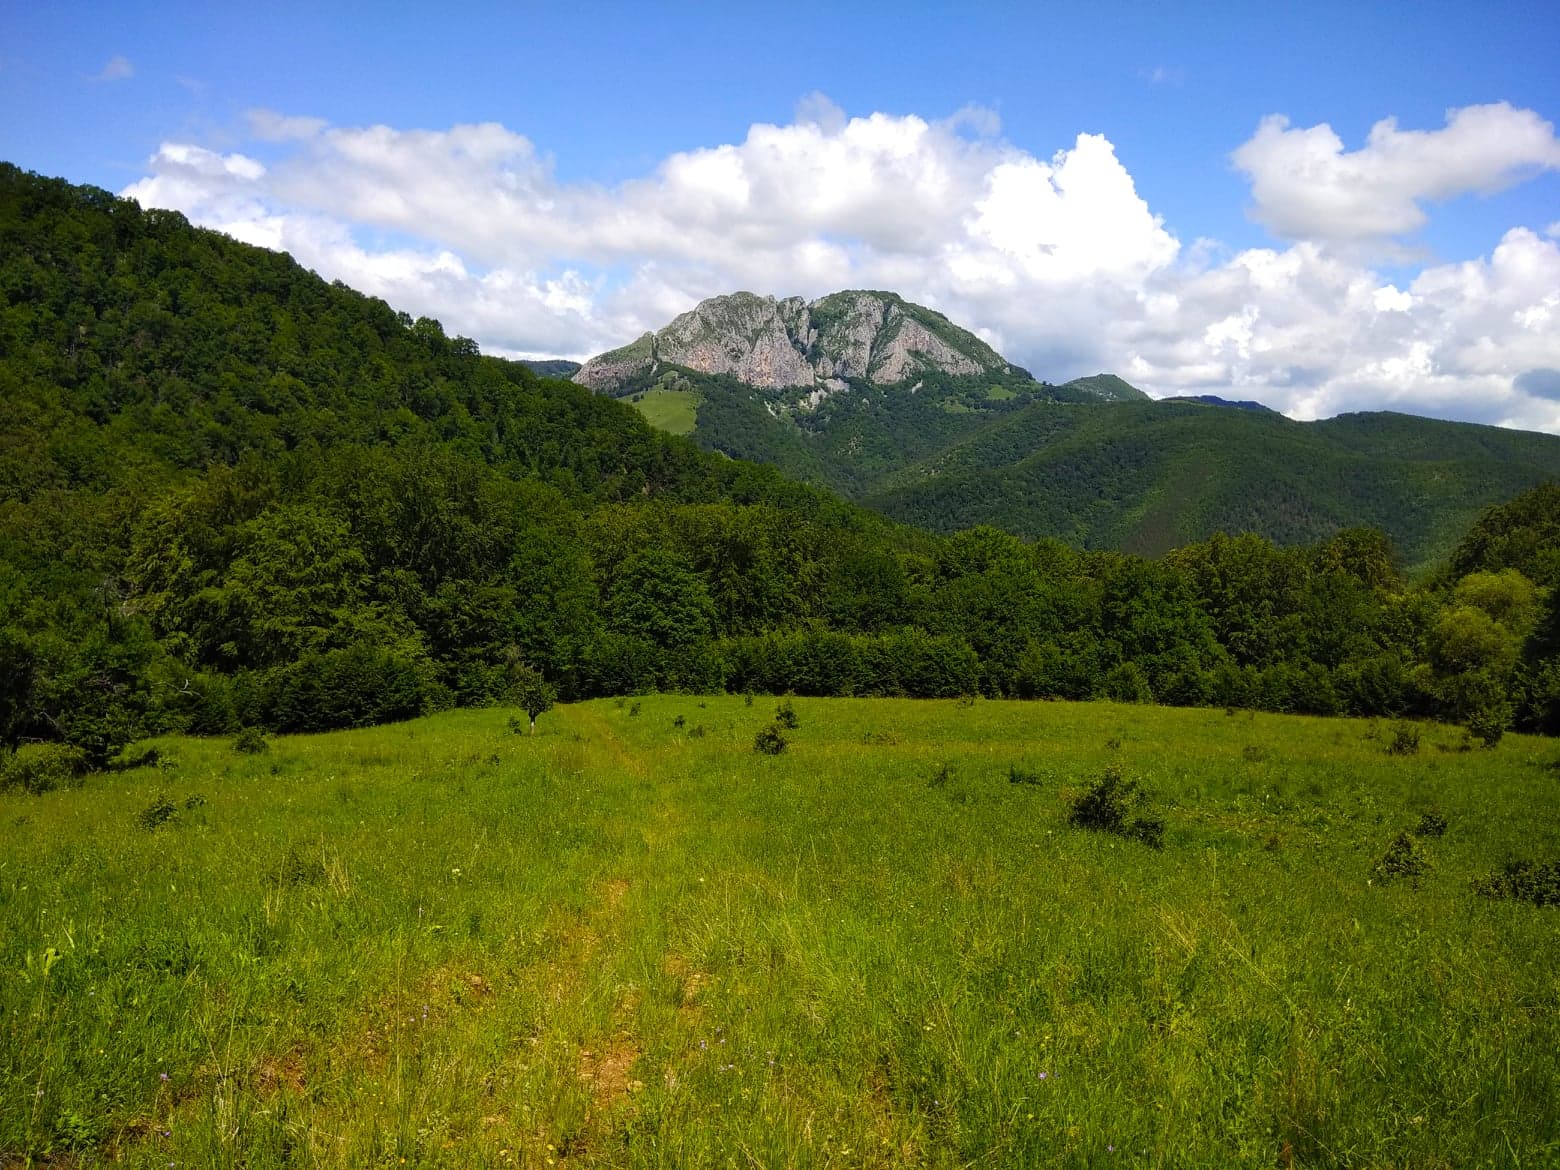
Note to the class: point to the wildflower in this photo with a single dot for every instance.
(1042, 1076)
(162, 1076)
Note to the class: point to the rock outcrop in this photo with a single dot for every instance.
(780, 344)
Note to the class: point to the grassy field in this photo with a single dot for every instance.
(674, 411)
(633, 940)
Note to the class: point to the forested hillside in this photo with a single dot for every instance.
(1149, 476)
(1093, 462)
(232, 494)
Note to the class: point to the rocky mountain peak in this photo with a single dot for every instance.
(874, 337)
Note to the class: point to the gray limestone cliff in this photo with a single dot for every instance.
(779, 344)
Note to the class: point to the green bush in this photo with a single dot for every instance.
(43, 767)
(357, 686)
(770, 741)
(1112, 804)
(251, 741)
(1404, 859)
(1523, 881)
(1404, 741)
(158, 813)
(1488, 724)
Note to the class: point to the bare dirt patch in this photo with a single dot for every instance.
(608, 1072)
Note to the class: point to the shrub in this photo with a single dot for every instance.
(1017, 775)
(1431, 824)
(1127, 683)
(148, 757)
(297, 868)
(207, 706)
(1488, 725)
(158, 813)
(1523, 881)
(770, 741)
(1404, 741)
(251, 741)
(1404, 858)
(43, 767)
(1111, 804)
(357, 686)
(785, 715)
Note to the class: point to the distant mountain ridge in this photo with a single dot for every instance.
(896, 407)
(1215, 400)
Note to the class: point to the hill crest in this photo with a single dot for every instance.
(782, 344)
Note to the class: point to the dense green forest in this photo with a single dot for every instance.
(1124, 473)
(233, 494)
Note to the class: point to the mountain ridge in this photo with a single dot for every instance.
(786, 344)
(1094, 461)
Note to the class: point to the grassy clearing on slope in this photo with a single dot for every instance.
(674, 411)
(636, 941)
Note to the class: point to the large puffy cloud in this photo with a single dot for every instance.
(1306, 186)
(1317, 335)
(1057, 261)
(942, 211)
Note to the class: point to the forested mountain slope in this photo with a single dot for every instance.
(945, 434)
(1149, 476)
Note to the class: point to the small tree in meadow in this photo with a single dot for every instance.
(529, 691)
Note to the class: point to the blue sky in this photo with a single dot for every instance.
(622, 177)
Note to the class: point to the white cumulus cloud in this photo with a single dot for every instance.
(1057, 260)
(1306, 186)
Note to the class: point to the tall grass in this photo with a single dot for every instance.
(621, 943)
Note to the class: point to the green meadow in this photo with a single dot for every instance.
(633, 940)
(674, 411)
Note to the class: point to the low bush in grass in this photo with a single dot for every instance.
(43, 767)
(158, 813)
(1404, 741)
(770, 741)
(1523, 881)
(251, 741)
(1114, 804)
(1404, 860)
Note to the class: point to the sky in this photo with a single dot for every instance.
(1323, 207)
